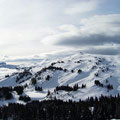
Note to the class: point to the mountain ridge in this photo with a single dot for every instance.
(94, 75)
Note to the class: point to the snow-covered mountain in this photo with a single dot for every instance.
(74, 77)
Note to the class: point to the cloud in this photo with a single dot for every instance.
(26, 24)
(101, 24)
(89, 40)
(39, 57)
(108, 50)
(94, 31)
(82, 7)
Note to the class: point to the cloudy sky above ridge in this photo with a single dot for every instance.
(31, 27)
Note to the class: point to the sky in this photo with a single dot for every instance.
(34, 27)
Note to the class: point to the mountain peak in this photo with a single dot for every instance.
(73, 77)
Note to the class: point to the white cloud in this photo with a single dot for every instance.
(36, 26)
(101, 24)
(82, 7)
(104, 50)
(94, 31)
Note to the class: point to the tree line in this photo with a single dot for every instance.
(103, 108)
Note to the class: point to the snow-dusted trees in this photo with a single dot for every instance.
(104, 108)
(19, 89)
(48, 77)
(33, 81)
(37, 88)
(24, 98)
(6, 93)
(98, 83)
(79, 71)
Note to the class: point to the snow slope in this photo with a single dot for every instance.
(105, 69)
